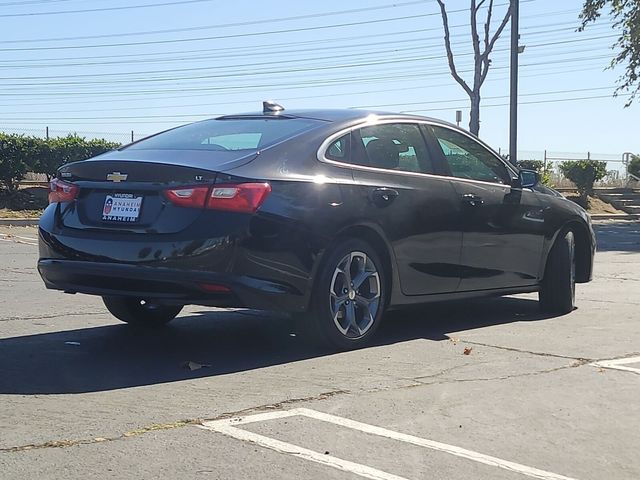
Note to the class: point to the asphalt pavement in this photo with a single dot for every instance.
(486, 389)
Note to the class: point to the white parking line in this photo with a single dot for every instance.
(229, 427)
(18, 239)
(619, 364)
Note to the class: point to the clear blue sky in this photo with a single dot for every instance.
(147, 69)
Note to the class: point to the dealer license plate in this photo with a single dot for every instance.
(121, 207)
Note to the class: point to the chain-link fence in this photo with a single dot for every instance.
(617, 174)
(46, 132)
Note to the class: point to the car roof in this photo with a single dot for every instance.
(332, 115)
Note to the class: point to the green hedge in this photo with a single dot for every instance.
(20, 154)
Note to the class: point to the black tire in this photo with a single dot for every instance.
(141, 313)
(558, 290)
(320, 326)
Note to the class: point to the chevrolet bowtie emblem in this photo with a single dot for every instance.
(117, 177)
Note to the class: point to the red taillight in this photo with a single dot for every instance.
(192, 197)
(214, 288)
(61, 191)
(243, 197)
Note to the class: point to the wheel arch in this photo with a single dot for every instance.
(374, 236)
(583, 249)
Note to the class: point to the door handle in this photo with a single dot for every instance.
(384, 196)
(472, 200)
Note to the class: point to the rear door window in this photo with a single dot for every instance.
(395, 146)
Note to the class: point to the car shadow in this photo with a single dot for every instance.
(119, 356)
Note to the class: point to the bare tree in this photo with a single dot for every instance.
(480, 56)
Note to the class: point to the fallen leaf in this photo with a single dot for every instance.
(467, 350)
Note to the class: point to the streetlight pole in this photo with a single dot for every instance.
(513, 123)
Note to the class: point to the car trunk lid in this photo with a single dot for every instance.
(129, 195)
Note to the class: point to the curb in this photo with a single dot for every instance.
(19, 222)
(615, 216)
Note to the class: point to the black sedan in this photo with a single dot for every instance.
(333, 215)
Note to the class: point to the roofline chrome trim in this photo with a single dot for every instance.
(379, 120)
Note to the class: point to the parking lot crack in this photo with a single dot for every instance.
(575, 364)
(65, 443)
(440, 373)
(615, 302)
(20, 271)
(529, 352)
(45, 317)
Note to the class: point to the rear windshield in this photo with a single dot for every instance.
(227, 134)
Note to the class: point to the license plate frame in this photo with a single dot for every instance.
(121, 208)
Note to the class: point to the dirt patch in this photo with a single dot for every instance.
(6, 213)
(596, 206)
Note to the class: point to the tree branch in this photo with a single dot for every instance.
(447, 43)
(487, 26)
(492, 42)
(496, 35)
(475, 39)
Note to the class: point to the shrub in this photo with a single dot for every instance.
(14, 160)
(536, 165)
(71, 148)
(584, 173)
(20, 154)
(634, 165)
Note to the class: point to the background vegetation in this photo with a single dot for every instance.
(584, 173)
(20, 154)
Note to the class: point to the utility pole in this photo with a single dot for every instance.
(515, 37)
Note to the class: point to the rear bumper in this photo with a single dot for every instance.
(167, 285)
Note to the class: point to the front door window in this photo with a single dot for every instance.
(468, 159)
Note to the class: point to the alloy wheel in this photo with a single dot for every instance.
(355, 295)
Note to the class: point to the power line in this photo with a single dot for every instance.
(254, 47)
(239, 35)
(220, 37)
(536, 102)
(301, 84)
(192, 115)
(557, 92)
(405, 87)
(222, 25)
(103, 9)
(272, 63)
(351, 47)
(133, 120)
(261, 73)
(31, 2)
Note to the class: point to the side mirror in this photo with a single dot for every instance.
(527, 179)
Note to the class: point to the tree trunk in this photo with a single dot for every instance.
(474, 116)
(480, 55)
